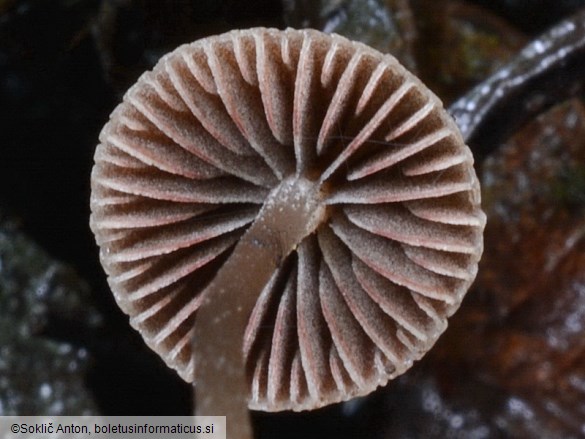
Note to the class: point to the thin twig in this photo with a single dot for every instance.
(547, 71)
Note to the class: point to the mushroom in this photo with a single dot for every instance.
(293, 202)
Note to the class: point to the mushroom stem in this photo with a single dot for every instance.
(292, 211)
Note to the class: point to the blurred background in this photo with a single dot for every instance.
(511, 364)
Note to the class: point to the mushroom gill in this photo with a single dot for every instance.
(274, 124)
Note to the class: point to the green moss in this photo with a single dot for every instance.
(569, 188)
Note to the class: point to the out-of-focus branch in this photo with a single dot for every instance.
(550, 69)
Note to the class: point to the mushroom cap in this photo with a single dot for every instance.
(189, 156)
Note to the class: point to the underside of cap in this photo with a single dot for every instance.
(188, 158)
